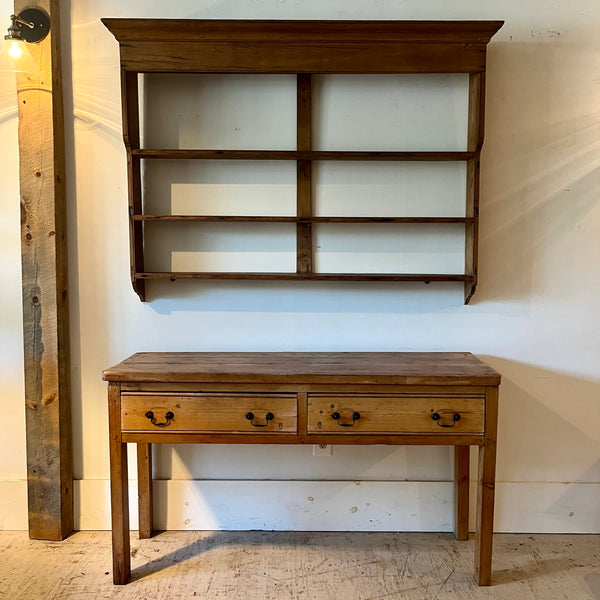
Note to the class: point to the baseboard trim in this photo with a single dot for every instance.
(324, 506)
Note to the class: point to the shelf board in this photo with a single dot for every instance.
(273, 219)
(213, 219)
(334, 155)
(307, 276)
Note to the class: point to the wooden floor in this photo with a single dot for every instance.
(306, 566)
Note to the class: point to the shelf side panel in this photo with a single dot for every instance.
(131, 137)
(474, 144)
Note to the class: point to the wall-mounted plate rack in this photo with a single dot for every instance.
(304, 48)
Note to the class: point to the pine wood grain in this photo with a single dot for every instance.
(119, 490)
(461, 492)
(211, 413)
(486, 482)
(45, 294)
(145, 496)
(424, 56)
(407, 368)
(398, 414)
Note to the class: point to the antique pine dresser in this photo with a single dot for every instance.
(303, 398)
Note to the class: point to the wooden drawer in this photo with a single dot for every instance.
(373, 414)
(209, 413)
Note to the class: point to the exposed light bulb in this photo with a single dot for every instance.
(16, 58)
(14, 49)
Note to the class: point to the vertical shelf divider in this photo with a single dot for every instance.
(304, 251)
(474, 144)
(131, 137)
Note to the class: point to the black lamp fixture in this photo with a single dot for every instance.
(30, 26)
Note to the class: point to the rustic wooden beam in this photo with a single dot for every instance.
(45, 298)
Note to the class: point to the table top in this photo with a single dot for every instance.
(409, 368)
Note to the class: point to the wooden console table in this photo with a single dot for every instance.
(303, 398)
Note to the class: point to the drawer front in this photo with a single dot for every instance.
(373, 414)
(210, 413)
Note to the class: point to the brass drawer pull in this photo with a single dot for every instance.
(336, 417)
(268, 417)
(168, 416)
(436, 417)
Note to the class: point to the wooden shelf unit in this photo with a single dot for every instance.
(269, 219)
(303, 48)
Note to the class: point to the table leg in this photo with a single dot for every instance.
(118, 489)
(485, 492)
(461, 491)
(144, 465)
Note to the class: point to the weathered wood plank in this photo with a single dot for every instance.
(403, 368)
(313, 566)
(45, 297)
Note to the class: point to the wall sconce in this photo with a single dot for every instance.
(31, 25)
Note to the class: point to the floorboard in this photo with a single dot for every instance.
(307, 566)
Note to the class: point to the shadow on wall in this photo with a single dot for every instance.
(541, 159)
(539, 179)
(540, 176)
(220, 113)
(540, 173)
(548, 439)
(547, 425)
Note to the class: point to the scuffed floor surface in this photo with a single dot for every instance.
(306, 566)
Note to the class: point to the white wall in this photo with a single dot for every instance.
(534, 317)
